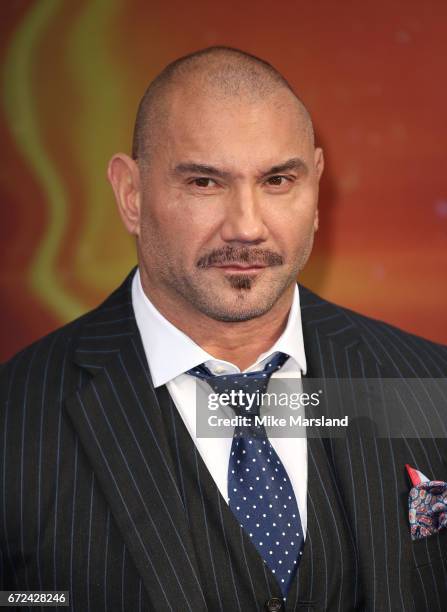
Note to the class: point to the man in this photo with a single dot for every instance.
(107, 490)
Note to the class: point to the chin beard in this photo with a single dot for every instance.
(240, 310)
(241, 281)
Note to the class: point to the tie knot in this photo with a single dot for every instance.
(245, 389)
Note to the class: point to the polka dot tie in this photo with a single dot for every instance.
(259, 489)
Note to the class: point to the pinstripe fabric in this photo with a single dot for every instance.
(96, 496)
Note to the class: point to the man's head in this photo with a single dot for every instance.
(222, 189)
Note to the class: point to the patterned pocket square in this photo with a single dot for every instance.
(427, 504)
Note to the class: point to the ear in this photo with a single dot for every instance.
(319, 162)
(124, 176)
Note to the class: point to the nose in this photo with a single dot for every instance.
(243, 220)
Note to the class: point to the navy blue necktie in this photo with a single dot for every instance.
(259, 489)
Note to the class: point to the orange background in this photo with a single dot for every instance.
(372, 73)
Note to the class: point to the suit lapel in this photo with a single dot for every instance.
(367, 472)
(117, 417)
(330, 541)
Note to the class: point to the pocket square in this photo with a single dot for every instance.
(427, 505)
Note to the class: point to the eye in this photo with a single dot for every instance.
(277, 181)
(203, 181)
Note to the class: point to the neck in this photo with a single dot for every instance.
(240, 342)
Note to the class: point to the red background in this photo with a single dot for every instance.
(373, 75)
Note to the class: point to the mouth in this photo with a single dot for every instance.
(240, 268)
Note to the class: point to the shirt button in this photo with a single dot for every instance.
(220, 369)
(274, 605)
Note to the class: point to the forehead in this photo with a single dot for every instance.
(234, 130)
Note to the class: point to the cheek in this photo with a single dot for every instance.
(178, 230)
(294, 229)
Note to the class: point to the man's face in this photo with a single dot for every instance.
(228, 204)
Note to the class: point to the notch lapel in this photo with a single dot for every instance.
(118, 420)
(365, 471)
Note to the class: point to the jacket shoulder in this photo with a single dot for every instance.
(389, 343)
(57, 345)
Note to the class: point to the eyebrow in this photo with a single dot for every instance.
(187, 168)
(295, 163)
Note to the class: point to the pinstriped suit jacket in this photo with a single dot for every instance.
(90, 499)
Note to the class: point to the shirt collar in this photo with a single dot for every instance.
(162, 340)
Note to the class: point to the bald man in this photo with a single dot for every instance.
(110, 492)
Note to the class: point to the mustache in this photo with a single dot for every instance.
(249, 256)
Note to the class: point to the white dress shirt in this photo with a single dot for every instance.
(170, 353)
